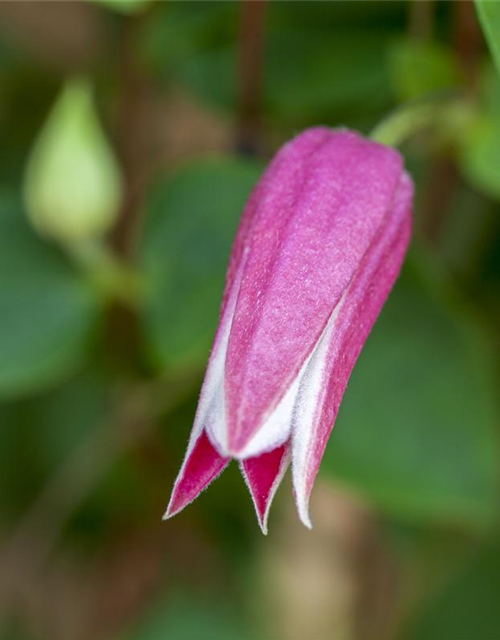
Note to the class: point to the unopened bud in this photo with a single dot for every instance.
(72, 184)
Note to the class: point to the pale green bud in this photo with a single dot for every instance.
(125, 6)
(72, 185)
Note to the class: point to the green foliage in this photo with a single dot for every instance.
(417, 436)
(27, 94)
(298, 77)
(174, 619)
(437, 68)
(468, 607)
(305, 75)
(38, 435)
(480, 155)
(417, 428)
(192, 219)
(126, 7)
(489, 17)
(479, 139)
(47, 311)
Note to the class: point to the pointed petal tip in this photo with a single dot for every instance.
(174, 507)
(304, 516)
(261, 513)
(302, 502)
(306, 520)
(263, 475)
(200, 467)
(263, 524)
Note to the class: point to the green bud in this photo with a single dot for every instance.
(72, 184)
(126, 7)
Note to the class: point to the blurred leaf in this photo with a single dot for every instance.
(120, 497)
(38, 435)
(65, 416)
(309, 73)
(468, 234)
(326, 17)
(480, 155)
(417, 429)
(479, 137)
(192, 618)
(182, 29)
(15, 630)
(468, 607)
(27, 95)
(437, 68)
(192, 219)
(46, 310)
(126, 7)
(305, 75)
(489, 18)
(20, 460)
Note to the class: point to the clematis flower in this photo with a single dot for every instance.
(320, 245)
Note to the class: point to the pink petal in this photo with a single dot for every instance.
(315, 218)
(202, 465)
(277, 180)
(326, 378)
(263, 476)
(319, 247)
(277, 173)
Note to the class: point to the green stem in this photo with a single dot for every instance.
(415, 117)
(114, 279)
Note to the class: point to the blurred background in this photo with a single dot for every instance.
(131, 134)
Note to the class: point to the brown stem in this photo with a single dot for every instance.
(132, 107)
(421, 19)
(468, 39)
(250, 76)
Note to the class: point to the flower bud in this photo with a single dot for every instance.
(72, 183)
(319, 247)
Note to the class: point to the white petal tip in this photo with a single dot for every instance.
(303, 511)
(172, 510)
(168, 514)
(263, 520)
(262, 517)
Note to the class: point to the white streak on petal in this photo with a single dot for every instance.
(211, 412)
(277, 427)
(311, 388)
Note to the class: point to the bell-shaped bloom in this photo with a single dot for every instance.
(319, 247)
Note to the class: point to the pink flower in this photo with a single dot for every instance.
(319, 247)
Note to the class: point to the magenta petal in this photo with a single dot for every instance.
(326, 378)
(263, 475)
(319, 247)
(313, 223)
(202, 465)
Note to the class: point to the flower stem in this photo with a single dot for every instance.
(113, 278)
(413, 118)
